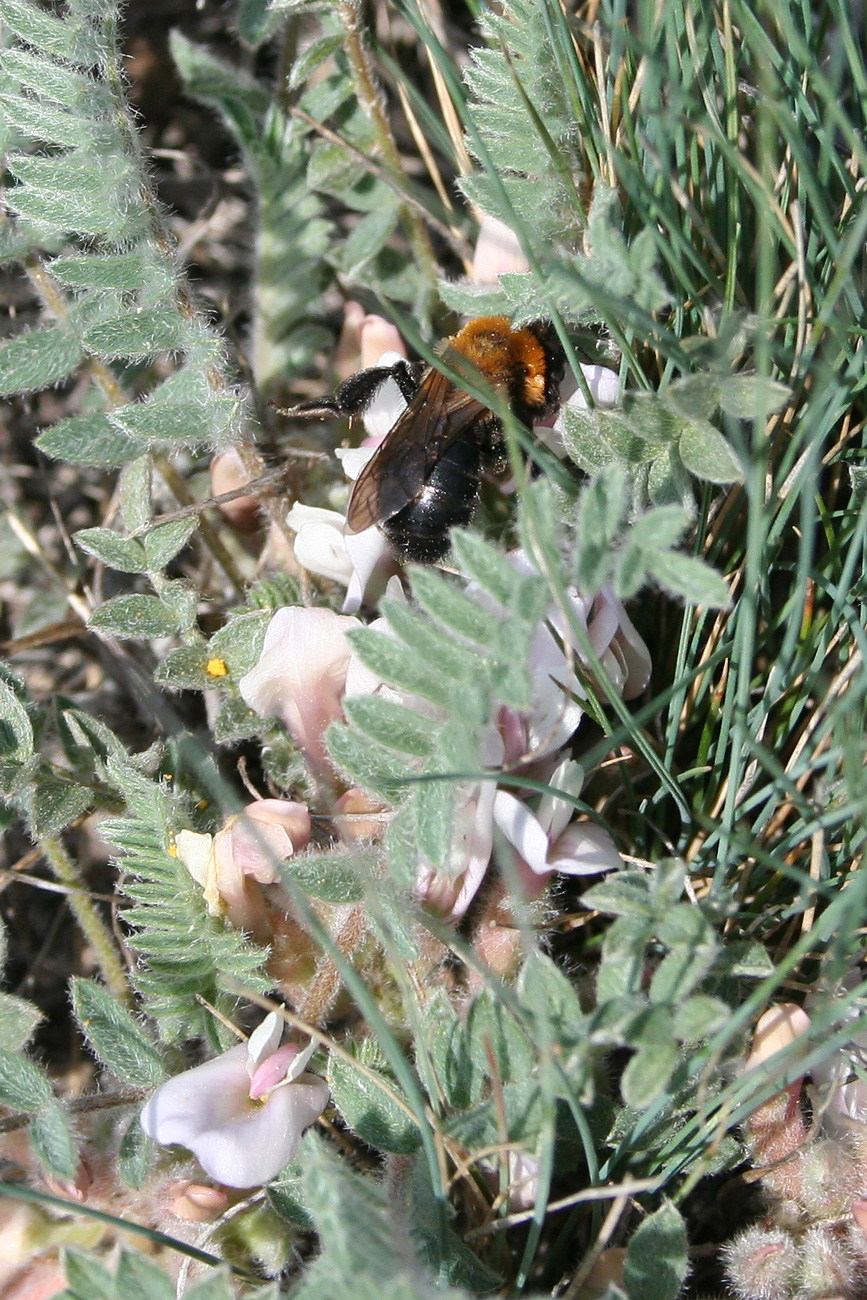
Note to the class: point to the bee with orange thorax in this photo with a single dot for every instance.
(423, 479)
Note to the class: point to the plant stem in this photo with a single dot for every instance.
(371, 101)
(88, 918)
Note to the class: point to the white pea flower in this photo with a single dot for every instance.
(242, 1114)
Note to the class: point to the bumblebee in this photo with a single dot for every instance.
(424, 478)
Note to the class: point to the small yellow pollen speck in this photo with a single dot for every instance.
(169, 776)
(172, 850)
(203, 804)
(216, 668)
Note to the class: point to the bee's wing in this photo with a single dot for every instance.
(437, 415)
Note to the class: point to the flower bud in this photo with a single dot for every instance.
(197, 1202)
(761, 1264)
(227, 474)
(828, 1180)
(827, 1268)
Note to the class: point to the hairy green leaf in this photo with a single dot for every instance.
(113, 1035)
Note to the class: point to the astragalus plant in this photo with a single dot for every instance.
(444, 898)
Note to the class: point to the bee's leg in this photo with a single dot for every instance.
(357, 392)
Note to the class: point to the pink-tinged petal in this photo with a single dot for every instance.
(301, 674)
(369, 554)
(604, 384)
(584, 850)
(273, 1070)
(524, 1173)
(253, 849)
(264, 1040)
(387, 405)
(555, 812)
(321, 549)
(603, 624)
(347, 355)
(497, 252)
(292, 816)
(555, 715)
(358, 816)
(199, 1099)
(523, 830)
(636, 657)
(513, 729)
(450, 895)
(300, 514)
(859, 1214)
(228, 473)
(259, 1142)
(299, 1063)
(379, 339)
(478, 852)
(776, 1029)
(450, 892)
(353, 460)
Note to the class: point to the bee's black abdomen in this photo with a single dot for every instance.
(420, 531)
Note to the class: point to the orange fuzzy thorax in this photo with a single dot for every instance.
(504, 356)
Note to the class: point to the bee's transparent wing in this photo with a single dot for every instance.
(437, 415)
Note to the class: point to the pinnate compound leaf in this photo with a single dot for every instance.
(134, 616)
(18, 1019)
(123, 553)
(90, 440)
(699, 1017)
(656, 1259)
(496, 1040)
(135, 1155)
(650, 1069)
(87, 1277)
(140, 1279)
(125, 272)
(113, 1035)
(186, 669)
(52, 1141)
(57, 803)
(37, 359)
(689, 578)
(66, 38)
(455, 1076)
(390, 724)
(139, 334)
(600, 515)
(164, 542)
(744, 959)
(367, 1107)
(16, 729)
(239, 642)
(381, 771)
(217, 1286)
(625, 894)
(489, 568)
(450, 607)
(332, 877)
(751, 397)
(397, 665)
(22, 1085)
(706, 454)
(545, 990)
(135, 490)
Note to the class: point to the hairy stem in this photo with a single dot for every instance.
(92, 926)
